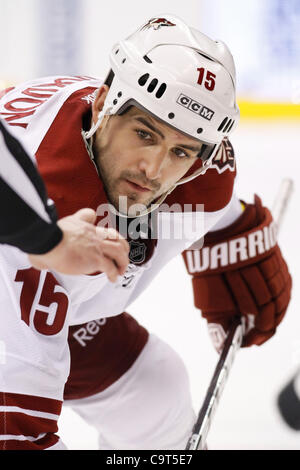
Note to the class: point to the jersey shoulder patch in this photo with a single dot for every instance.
(224, 159)
(213, 188)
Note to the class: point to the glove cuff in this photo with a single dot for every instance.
(252, 216)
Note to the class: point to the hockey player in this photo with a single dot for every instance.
(71, 246)
(147, 149)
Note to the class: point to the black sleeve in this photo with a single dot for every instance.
(20, 224)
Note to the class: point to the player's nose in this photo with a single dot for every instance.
(152, 163)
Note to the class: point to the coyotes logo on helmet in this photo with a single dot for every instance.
(156, 23)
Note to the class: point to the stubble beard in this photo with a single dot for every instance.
(110, 185)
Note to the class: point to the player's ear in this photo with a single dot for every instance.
(99, 102)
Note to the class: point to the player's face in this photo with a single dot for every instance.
(140, 157)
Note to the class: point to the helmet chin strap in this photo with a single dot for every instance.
(199, 172)
(106, 111)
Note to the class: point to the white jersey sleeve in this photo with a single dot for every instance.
(34, 355)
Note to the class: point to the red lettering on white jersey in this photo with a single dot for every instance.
(30, 98)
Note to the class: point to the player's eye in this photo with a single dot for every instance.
(180, 153)
(143, 135)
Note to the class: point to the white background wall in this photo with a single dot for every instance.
(264, 39)
(18, 37)
(101, 24)
(39, 37)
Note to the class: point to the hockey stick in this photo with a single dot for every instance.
(197, 440)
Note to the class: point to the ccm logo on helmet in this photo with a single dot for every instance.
(197, 108)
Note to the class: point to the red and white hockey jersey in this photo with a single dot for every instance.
(39, 308)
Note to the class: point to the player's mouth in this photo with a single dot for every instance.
(137, 187)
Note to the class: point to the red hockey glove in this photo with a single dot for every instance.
(240, 271)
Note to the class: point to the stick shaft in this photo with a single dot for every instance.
(282, 200)
(232, 343)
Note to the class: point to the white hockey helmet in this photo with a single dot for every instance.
(181, 77)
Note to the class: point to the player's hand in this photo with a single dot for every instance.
(244, 274)
(85, 248)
